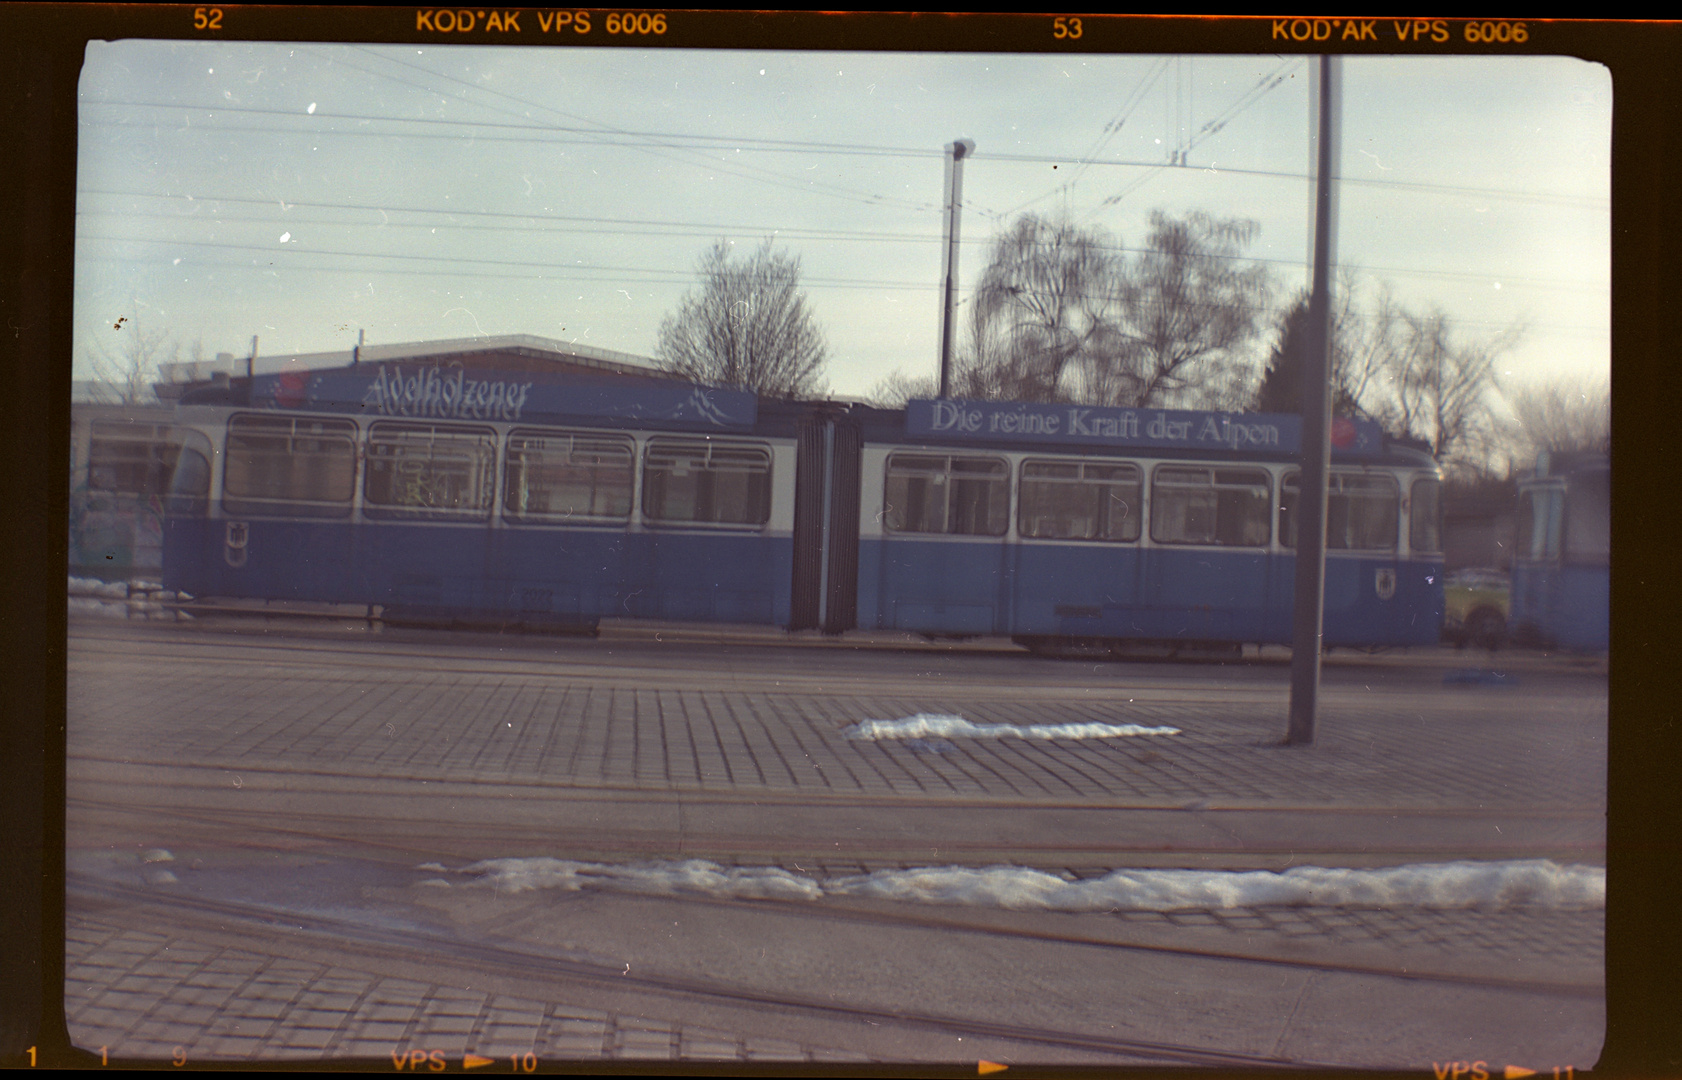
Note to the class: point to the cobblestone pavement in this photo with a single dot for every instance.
(338, 709)
(379, 715)
(147, 994)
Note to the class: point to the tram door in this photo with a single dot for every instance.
(1207, 570)
(824, 590)
(841, 564)
(1076, 569)
(811, 470)
(942, 566)
(1537, 582)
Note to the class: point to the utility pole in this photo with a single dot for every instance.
(1308, 617)
(955, 154)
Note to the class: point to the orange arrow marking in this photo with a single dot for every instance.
(473, 1061)
(982, 1068)
(1514, 1072)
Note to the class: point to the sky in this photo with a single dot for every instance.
(303, 193)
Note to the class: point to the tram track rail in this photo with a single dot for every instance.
(212, 776)
(640, 666)
(484, 959)
(305, 800)
(352, 839)
(296, 630)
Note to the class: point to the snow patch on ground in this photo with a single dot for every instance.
(934, 725)
(125, 599)
(1532, 883)
(659, 878)
(111, 590)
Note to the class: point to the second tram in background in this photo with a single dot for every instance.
(1561, 578)
(485, 496)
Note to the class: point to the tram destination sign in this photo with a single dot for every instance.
(435, 392)
(1110, 426)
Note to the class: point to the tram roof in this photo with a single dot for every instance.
(505, 352)
(1129, 432)
(437, 388)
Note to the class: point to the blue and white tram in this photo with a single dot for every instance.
(472, 495)
(1561, 576)
(514, 499)
(1059, 523)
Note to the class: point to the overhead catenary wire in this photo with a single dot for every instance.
(748, 172)
(1151, 168)
(642, 227)
(598, 274)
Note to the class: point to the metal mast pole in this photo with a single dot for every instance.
(1307, 625)
(955, 154)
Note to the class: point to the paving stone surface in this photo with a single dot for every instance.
(150, 995)
(1459, 746)
(142, 992)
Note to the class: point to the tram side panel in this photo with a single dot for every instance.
(580, 529)
(658, 526)
(1076, 590)
(1586, 573)
(1563, 605)
(268, 513)
(1104, 548)
(717, 525)
(1561, 578)
(1383, 583)
(932, 550)
(1207, 566)
(846, 495)
(1076, 565)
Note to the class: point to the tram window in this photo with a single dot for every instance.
(293, 466)
(1425, 517)
(1078, 501)
(1539, 522)
(1588, 516)
(430, 469)
(1229, 507)
(916, 494)
(706, 482)
(1362, 512)
(189, 486)
(562, 476)
(935, 493)
(131, 459)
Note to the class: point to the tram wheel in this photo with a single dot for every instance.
(1486, 629)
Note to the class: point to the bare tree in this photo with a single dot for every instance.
(1432, 385)
(747, 326)
(1561, 417)
(1355, 349)
(1044, 312)
(1191, 307)
(897, 389)
(1358, 340)
(130, 366)
(1062, 315)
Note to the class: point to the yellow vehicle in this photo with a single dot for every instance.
(1475, 605)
